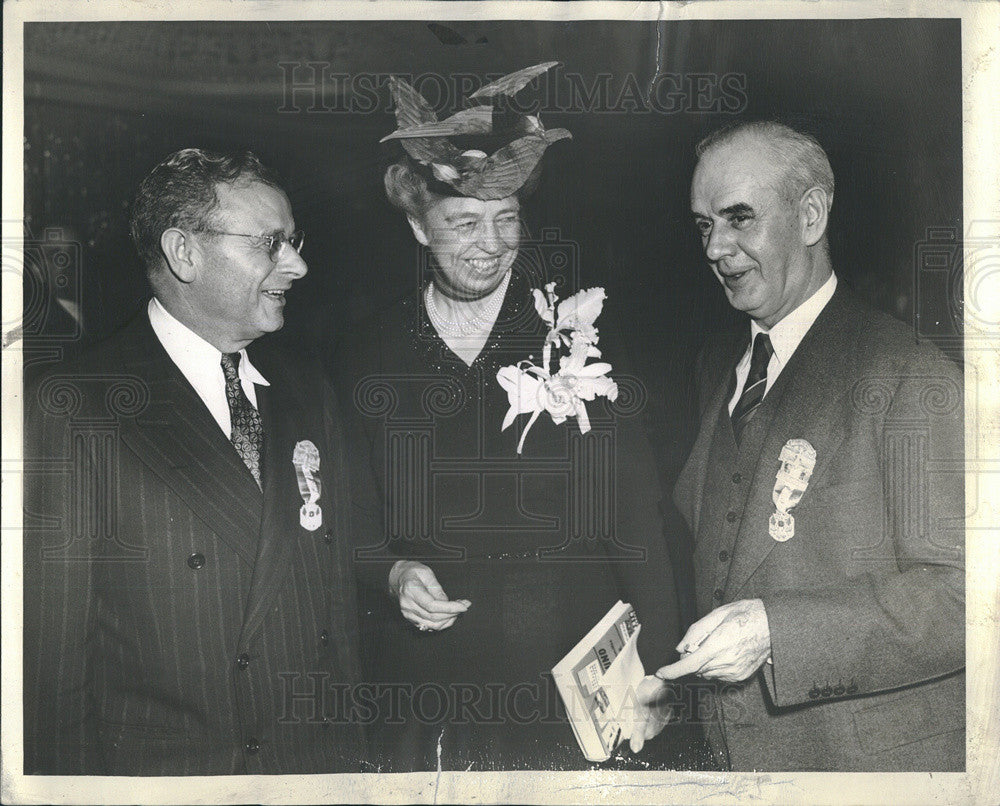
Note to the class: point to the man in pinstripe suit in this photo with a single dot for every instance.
(189, 592)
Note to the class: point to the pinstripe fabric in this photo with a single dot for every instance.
(134, 630)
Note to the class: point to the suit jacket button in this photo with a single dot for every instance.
(723, 556)
(731, 516)
(243, 661)
(814, 693)
(324, 637)
(328, 536)
(737, 478)
(251, 746)
(717, 593)
(196, 561)
(826, 692)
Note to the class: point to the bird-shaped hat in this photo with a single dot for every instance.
(473, 172)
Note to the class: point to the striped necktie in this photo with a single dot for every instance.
(756, 384)
(247, 433)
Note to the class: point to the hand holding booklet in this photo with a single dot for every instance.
(598, 680)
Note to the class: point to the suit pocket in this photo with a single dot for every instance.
(866, 487)
(931, 711)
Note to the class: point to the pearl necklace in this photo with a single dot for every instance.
(469, 327)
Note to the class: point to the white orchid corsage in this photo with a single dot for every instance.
(532, 388)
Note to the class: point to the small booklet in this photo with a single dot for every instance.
(598, 680)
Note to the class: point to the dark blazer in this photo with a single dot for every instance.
(178, 620)
(865, 603)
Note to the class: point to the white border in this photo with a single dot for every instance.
(980, 784)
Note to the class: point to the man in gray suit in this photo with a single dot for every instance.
(824, 493)
(189, 595)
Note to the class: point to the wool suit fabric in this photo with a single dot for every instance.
(178, 619)
(865, 603)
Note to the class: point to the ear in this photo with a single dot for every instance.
(181, 253)
(815, 213)
(418, 230)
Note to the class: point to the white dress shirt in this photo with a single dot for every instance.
(785, 338)
(201, 364)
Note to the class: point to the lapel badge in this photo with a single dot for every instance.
(305, 457)
(798, 458)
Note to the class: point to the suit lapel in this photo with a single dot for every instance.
(281, 498)
(180, 441)
(805, 406)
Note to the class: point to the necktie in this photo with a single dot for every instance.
(247, 434)
(756, 383)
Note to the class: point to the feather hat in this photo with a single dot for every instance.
(473, 172)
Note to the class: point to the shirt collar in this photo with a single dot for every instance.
(789, 332)
(189, 351)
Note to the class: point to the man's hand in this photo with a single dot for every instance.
(421, 599)
(729, 644)
(652, 711)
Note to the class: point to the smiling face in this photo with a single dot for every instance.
(238, 293)
(474, 242)
(755, 237)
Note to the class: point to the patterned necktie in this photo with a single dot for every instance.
(756, 384)
(247, 433)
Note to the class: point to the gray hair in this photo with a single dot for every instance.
(408, 190)
(805, 161)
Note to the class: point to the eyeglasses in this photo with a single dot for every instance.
(274, 243)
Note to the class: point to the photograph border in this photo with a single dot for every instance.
(979, 784)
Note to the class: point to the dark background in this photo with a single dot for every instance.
(104, 102)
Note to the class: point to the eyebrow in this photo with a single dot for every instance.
(475, 216)
(740, 208)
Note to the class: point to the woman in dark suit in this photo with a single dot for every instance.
(510, 546)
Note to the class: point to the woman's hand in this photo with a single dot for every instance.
(651, 711)
(421, 599)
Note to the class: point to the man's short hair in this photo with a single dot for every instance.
(805, 161)
(180, 192)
